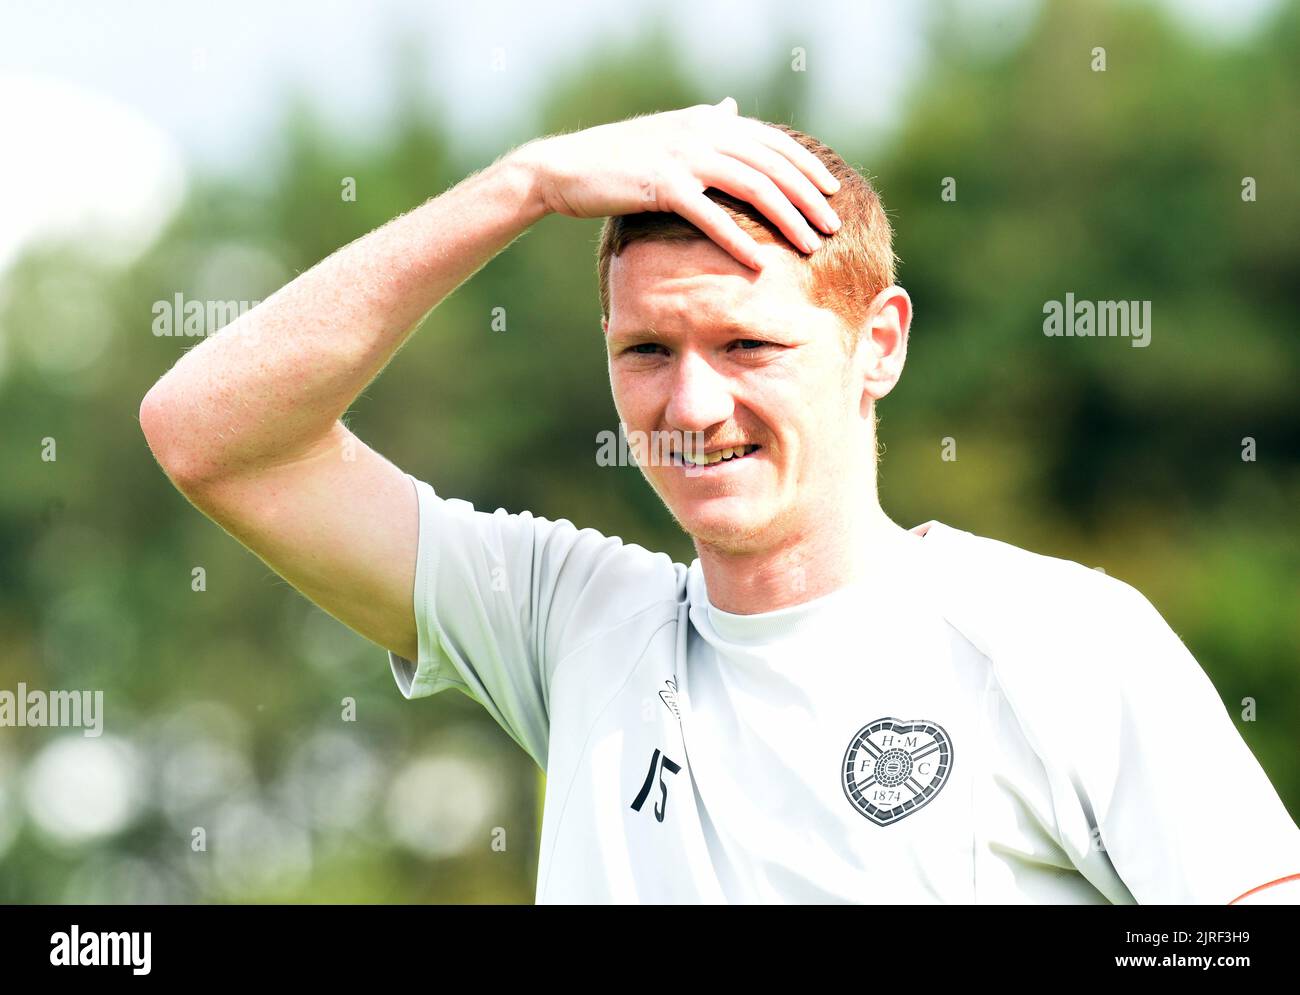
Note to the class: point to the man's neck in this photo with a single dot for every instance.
(831, 555)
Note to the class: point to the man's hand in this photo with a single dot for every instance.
(665, 162)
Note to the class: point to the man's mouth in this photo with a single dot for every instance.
(715, 457)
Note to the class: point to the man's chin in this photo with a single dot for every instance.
(730, 525)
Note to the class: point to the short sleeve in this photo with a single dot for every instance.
(1186, 813)
(499, 598)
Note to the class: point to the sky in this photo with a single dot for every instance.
(108, 106)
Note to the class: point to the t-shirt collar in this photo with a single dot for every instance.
(810, 616)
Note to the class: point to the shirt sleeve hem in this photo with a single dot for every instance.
(422, 680)
(419, 680)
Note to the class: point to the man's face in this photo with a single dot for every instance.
(699, 343)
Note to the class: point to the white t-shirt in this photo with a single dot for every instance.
(975, 724)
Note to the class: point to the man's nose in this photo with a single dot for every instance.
(701, 396)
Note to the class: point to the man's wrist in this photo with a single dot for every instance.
(525, 171)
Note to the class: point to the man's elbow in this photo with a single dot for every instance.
(163, 426)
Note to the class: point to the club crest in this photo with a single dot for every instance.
(894, 767)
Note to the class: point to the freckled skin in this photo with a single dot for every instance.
(808, 496)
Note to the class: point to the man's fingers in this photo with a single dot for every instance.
(811, 166)
(794, 184)
(752, 186)
(711, 219)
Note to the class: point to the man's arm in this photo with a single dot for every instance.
(247, 426)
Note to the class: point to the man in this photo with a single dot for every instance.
(824, 706)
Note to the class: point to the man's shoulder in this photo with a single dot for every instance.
(600, 583)
(1076, 652)
(1007, 578)
(1044, 619)
(577, 581)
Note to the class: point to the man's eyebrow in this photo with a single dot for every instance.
(738, 328)
(741, 328)
(635, 333)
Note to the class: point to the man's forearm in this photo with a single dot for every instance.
(272, 385)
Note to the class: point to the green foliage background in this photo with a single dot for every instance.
(1117, 185)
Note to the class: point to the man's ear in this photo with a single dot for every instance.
(884, 338)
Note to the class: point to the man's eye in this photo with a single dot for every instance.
(747, 345)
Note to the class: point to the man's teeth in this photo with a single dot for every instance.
(717, 457)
